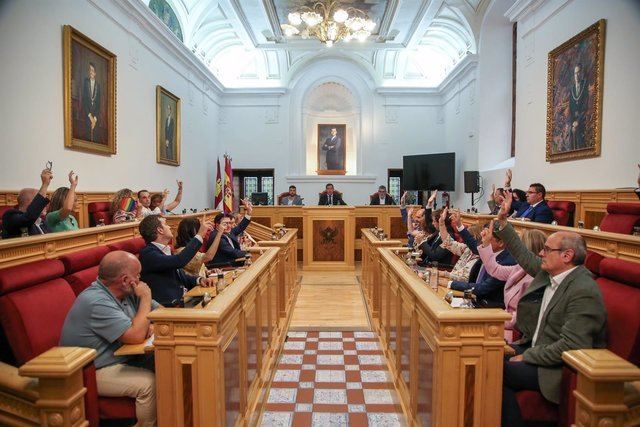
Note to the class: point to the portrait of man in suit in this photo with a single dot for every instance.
(167, 127)
(331, 149)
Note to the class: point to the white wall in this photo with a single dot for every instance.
(554, 22)
(32, 111)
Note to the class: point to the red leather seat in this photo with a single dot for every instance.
(562, 211)
(281, 196)
(132, 245)
(621, 218)
(99, 211)
(619, 282)
(81, 268)
(34, 302)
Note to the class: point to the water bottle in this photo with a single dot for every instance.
(274, 236)
(248, 261)
(24, 232)
(221, 284)
(100, 223)
(436, 274)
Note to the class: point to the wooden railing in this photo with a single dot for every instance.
(33, 248)
(213, 364)
(446, 362)
(370, 272)
(613, 245)
(591, 205)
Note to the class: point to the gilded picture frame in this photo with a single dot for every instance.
(168, 123)
(332, 152)
(89, 86)
(575, 77)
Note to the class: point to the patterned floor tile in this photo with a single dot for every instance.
(332, 379)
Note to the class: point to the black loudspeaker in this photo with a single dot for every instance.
(471, 182)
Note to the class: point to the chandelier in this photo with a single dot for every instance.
(329, 22)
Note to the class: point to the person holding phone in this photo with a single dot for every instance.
(25, 219)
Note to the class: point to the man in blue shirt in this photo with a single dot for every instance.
(111, 312)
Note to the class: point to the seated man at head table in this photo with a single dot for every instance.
(561, 310)
(382, 197)
(488, 290)
(144, 198)
(32, 204)
(291, 199)
(230, 249)
(109, 313)
(330, 197)
(163, 271)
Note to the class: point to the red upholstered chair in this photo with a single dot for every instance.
(99, 211)
(34, 302)
(281, 196)
(132, 245)
(621, 218)
(562, 211)
(619, 282)
(81, 268)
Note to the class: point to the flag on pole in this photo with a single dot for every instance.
(228, 185)
(218, 193)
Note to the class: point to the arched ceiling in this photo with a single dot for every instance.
(416, 43)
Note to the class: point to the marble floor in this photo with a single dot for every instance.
(332, 379)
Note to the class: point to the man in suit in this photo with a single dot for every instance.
(330, 197)
(230, 248)
(169, 133)
(382, 198)
(536, 208)
(488, 290)
(562, 309)
(31, 205)
(637, 190)
(292, 199)
(333, 146)
(91, 92)
(161, 270)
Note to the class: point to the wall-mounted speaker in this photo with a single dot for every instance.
(471, 182)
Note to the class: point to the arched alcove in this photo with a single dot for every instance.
(331, 91)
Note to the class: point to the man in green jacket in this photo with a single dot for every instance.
(562, 309)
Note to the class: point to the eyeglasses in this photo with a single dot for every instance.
(546, 249)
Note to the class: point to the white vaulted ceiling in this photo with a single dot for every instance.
(416, 43)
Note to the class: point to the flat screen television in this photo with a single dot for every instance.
(429, 172)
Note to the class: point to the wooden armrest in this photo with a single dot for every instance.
(603, 379)
(12, 383)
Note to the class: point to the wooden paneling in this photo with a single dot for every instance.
(462, 350)
(364, 222)
(328, 236)
(264, 220)
(33, 248)
(398, 228)
(591, 205)
(613, 245)
(221, 344)
(294, 222)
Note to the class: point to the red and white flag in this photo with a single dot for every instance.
(218, 193)
(228, 185)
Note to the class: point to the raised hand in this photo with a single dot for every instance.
(507, 178)
(205, 226)
(443, 217)
(404, 195)
(46, 176)
(455, 218)
(505, 208)
(492, 196)
(485, 234)
(433, 197)
(73, 179)
(179, 185)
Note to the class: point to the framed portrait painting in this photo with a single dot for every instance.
(332, 142)
(167, 127)
(574, 96)
(89, 94)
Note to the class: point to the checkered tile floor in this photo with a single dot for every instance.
(332, 379)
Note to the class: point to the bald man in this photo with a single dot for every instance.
(111, 312)
(31, 205)
(562, 309)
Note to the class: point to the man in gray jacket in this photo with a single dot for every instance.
(562, 309)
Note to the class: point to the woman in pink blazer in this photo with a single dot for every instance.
(517, 280)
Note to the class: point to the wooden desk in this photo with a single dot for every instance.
(446, 362)
(21, 250)
(329, 239)
(213, 365)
